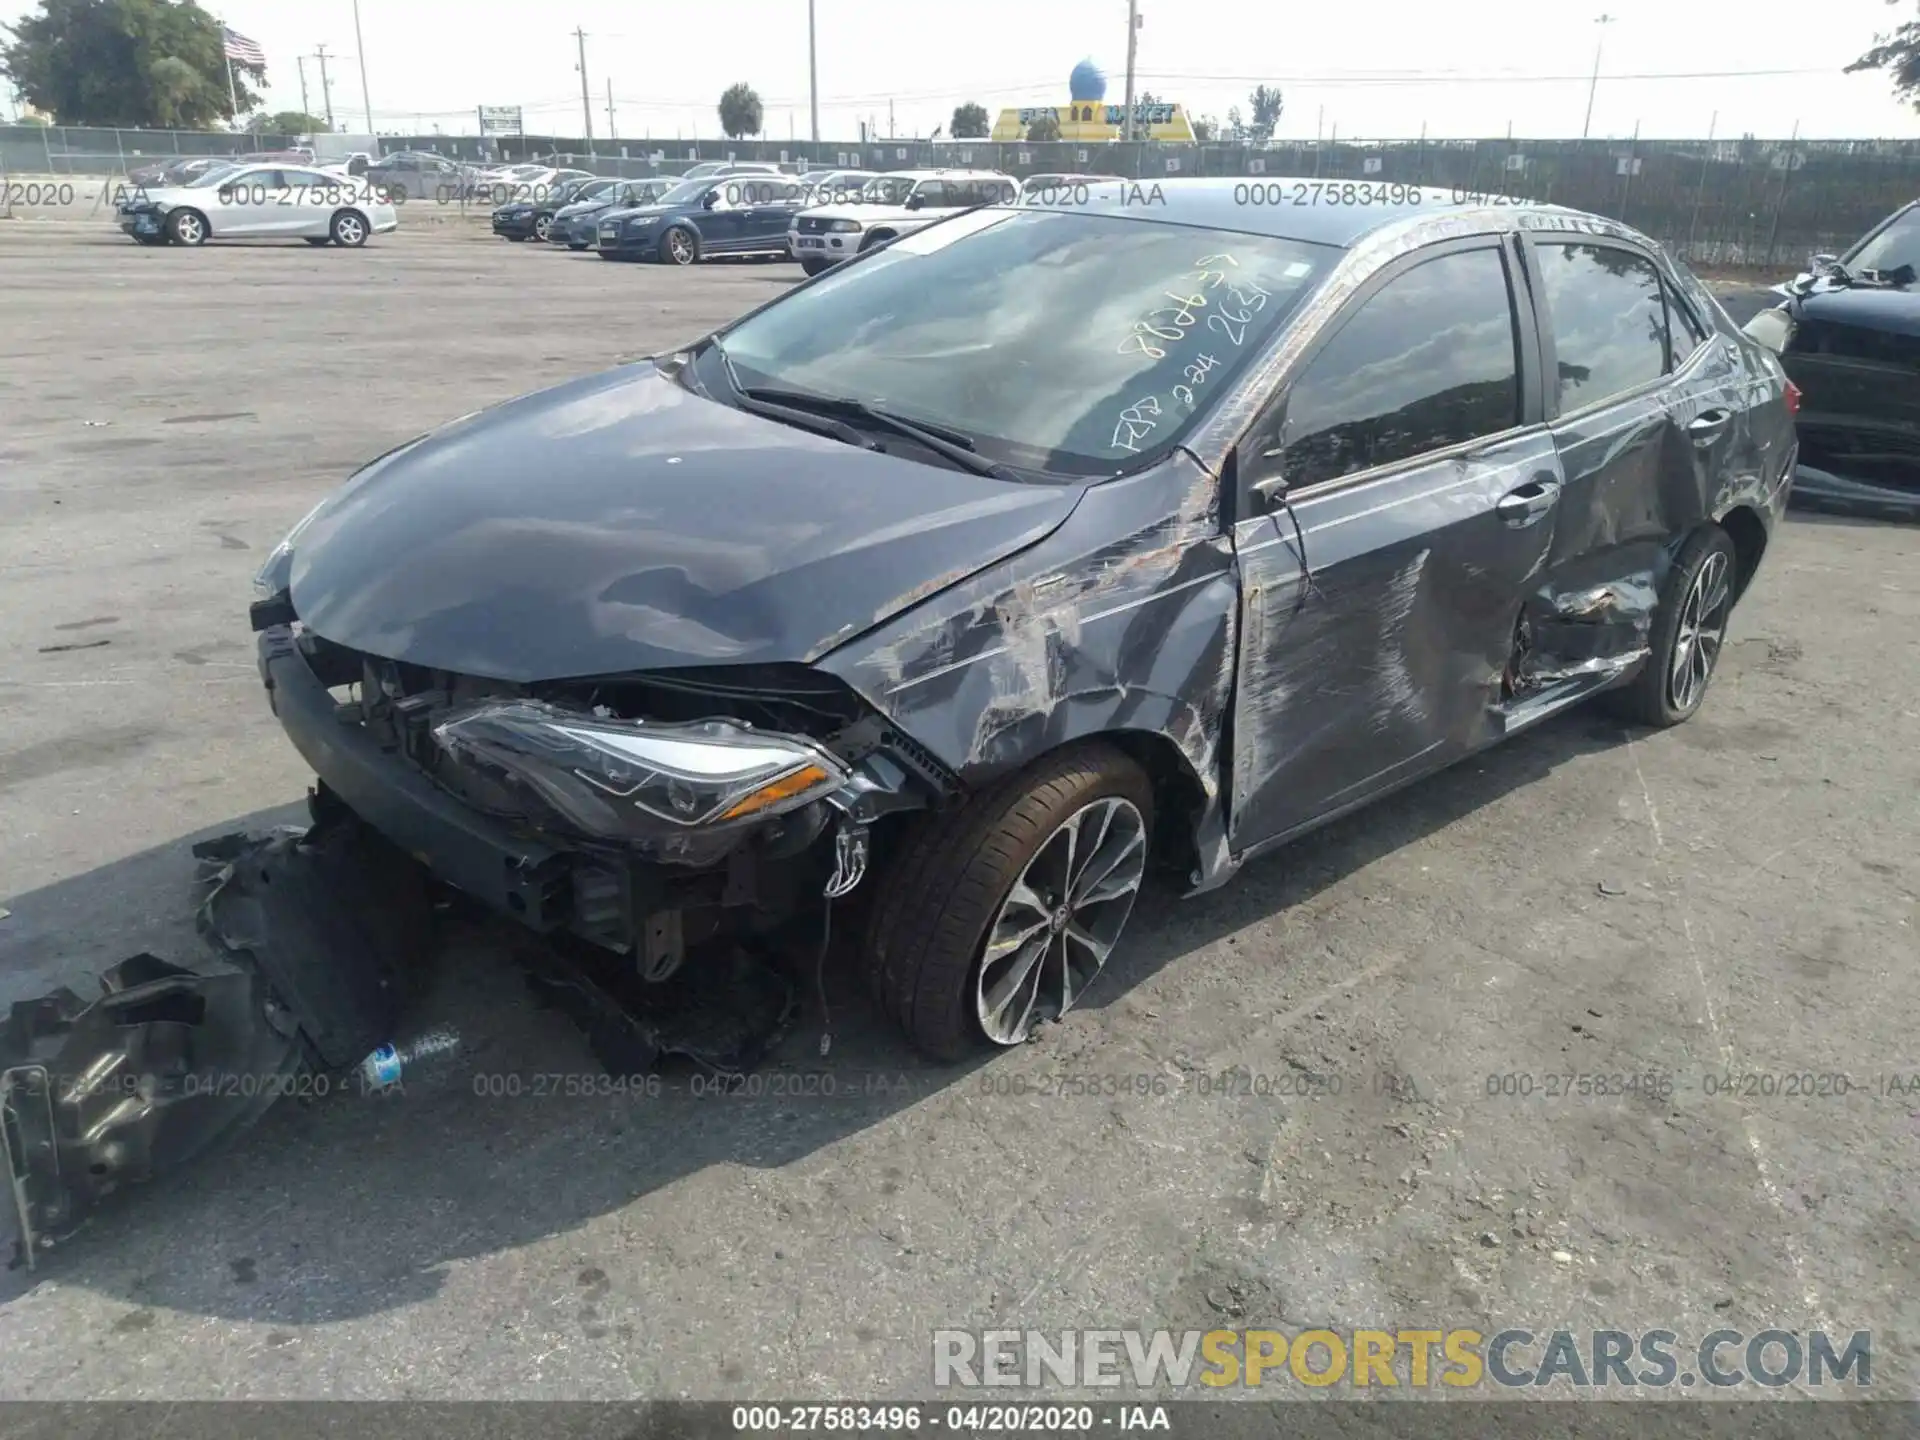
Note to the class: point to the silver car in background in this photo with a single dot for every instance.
(258, 202)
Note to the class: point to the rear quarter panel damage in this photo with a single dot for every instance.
(1079, 635)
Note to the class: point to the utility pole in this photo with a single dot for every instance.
(890, 119)
(1594, 84)
(586, 104)
(366, 99)
(326, 88)
(301, 61)
(1133, 36)
(813, 75)
(610, 132)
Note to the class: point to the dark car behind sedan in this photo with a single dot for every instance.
(574, 225)
(1849, 335)
(698, 219)
(532, 218)
(1003, 559)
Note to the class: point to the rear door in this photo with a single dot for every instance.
(775, 203)
(1380, 602)
(1644, 418)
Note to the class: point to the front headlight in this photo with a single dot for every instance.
(616, 779)
(843, 226)
(640, 222)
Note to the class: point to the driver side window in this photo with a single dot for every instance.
(1430, 361)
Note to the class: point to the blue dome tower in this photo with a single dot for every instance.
(1087, 83)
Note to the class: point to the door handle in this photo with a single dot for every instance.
(1709, 425)
(1528, 503)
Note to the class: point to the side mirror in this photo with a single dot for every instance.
(915, 202)
(1822, 264)
(710, 199)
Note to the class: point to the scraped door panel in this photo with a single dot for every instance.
(1388, 663)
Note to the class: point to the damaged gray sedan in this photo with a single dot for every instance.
(954, 586)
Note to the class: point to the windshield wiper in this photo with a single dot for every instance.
(954, 445)
(820, 424)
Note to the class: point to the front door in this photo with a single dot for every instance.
(1380, 602)
(723, 227)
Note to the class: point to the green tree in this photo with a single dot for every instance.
(1899, 55)
(1236, 126)
(1206, 128)
(1044, 128)
(158, 63)
(290, 122)
(740, 111)
(1266, 103)
(969, 122)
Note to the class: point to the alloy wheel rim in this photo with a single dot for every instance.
(542, 228)
(1703, 627)
(349, 229)
(681, 249)
(189, 229)
(1053, 932)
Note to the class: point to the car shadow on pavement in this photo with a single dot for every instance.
(351, 1205)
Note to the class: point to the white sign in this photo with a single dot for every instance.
(500, 120)
(1370, 165)
(1627, 165)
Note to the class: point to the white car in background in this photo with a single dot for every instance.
(258, 201)
(887, 207)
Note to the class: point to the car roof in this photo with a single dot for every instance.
(1320, 216)
(944, 174)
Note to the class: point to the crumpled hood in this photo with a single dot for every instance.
(621, 523)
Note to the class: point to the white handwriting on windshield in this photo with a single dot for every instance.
(1196, 374)
(1137, 421)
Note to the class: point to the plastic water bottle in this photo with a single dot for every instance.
(421, 1056)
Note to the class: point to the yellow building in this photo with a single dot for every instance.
(1086, 115)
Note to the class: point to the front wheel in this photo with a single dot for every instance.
(678, 246)
(995, 919)
(187, 227)
(1689, 630)
(814, 267)
(349, 228)
(542, 227)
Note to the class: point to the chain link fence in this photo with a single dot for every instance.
(1721, 202)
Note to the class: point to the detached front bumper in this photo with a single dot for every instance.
(142, 224)
(1818, 488)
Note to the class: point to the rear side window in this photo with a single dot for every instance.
(1609, 320)
(1430, 361)
(932, 194)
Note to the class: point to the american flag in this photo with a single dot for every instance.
(240, 48)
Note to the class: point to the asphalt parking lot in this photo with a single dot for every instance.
(1734, 897)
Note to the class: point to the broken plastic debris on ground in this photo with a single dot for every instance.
(321, 943)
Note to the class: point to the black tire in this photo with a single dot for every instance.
(516, 239)
(814, 267)
(349, 228)
(928, 929)
(690, 249)
(318, 241)
(572, 246)
(1651, 698)
(875, 240)
(187, 227)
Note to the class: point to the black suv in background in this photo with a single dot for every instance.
(1849, 335)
